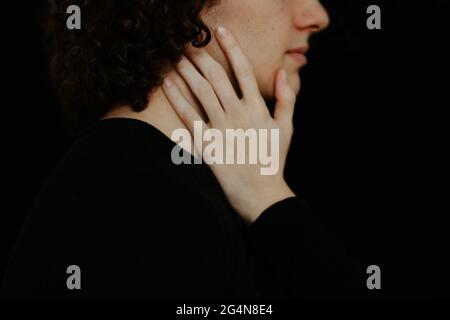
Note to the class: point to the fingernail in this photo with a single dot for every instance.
(222, 32)
(167, 83)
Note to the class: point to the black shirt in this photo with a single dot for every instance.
(139, 226)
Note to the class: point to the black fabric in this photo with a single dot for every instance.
(140, 226)
(298, 258)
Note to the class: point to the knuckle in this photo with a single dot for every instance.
(237, 113)
(203, 88)
(230, 100)
(246, 71)
(215, 72)
(184, 113)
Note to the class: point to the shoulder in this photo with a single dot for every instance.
(117, 165)
(112, 150)
(111, 204)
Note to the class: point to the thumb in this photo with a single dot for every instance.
(286, 97)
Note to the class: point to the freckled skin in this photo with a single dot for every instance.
(266, 29)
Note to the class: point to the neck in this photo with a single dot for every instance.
(158, 113)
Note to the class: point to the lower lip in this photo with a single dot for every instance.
(300, 58)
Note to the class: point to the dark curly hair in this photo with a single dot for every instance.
(120, 53)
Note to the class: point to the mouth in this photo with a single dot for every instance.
(299, 55)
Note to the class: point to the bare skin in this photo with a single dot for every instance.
(249, 192)
(265, 30)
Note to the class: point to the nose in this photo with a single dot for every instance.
(310, 15)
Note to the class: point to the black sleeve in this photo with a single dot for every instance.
(295, 257)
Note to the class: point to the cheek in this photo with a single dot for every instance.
(265, 62)
(268, 55)
(263, 37)
(265, 75)
(266, 65)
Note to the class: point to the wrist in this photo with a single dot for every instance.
(277, 193)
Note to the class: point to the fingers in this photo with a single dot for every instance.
(240, 64)
(203, 90)
(184, 88)
(183, 108)
(286, 97)
(216, 75)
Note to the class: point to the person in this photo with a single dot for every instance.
(133, 223)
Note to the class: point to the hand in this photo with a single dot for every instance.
(248, 191)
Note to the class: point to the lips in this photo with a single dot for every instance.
(299, 54)
(301, 50)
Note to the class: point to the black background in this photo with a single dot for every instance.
(359, 143)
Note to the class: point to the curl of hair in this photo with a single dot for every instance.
(120, 53)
